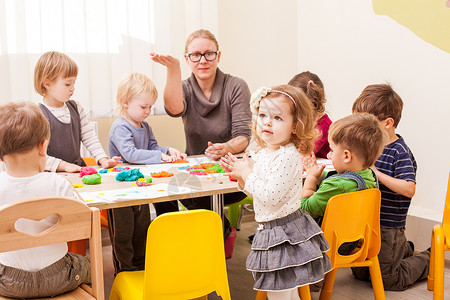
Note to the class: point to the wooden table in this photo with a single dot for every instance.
(215, 187)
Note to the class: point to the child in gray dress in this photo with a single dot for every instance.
(288, 250)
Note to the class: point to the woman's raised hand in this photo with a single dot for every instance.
(165, 60)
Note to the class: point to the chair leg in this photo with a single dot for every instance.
(304, 293)
(325, 293)
(430, 281)
(239, 220)
(261, 295)
(233, 214)
(438, 286)
(377, 281)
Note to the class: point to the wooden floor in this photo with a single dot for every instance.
(241, 281)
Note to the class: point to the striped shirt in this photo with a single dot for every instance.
(88, 136)
(396, 161)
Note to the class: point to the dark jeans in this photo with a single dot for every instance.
(128, 233)
(205, 203)
(400, 267)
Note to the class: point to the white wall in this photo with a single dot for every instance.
(349, 47)
(258, 39)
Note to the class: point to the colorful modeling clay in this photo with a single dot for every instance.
(87, 171)
(92, 179)
(142, 183)
(162, 174)
(103, 171)
(129, 175)
(148, 180)
(232, 178)
(205, 169)
(77, 185)
(181, 162)
(120, 169)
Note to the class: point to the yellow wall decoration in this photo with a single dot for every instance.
(428, 19)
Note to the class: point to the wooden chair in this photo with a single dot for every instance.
(185, 259)
(77, 221)
(351, 217)
(440, 242)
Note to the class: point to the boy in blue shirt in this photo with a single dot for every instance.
(396, 170)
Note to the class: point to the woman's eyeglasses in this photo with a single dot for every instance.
(196, 57)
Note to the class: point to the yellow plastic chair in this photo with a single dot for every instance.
(303, 292)
(185, 259)
(351, 217)
(76, 221)
(235, 212)
(440, 242)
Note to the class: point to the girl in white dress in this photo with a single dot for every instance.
(288, 249)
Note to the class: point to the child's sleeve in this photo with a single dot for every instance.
(122, 139)
(89, 137)
(316, 204)
(52, 163)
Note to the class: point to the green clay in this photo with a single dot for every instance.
(149, 180)
(92, 179)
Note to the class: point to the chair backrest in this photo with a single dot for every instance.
(185, 256)
(446, 216)
(76, 221)
(350, 217)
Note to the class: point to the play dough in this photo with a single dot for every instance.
(92, 179)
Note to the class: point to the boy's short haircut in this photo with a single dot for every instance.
(381, 101)
(51, 65)
(361, 134)
(134, 84)
(22, 127)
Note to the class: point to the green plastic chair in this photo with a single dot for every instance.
(235, 212)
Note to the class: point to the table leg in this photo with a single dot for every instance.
(217, 204)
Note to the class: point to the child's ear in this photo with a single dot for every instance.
(125, 102)
(388, 123)
(46, 84)
(347, 156)
(43, 147)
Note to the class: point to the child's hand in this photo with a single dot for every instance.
(315, 171)
(107, 163)
(167, 158)
(177, 155)
(227, 162)
(165, 60)
(68, 167)
(308, 161)
(239, 168)
(216, 151)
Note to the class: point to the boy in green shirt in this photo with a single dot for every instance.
(356, 142)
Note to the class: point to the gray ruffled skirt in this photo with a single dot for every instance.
(287, 253)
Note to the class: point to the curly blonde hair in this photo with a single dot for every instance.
(303, 113)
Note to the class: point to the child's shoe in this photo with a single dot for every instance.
(229, 243)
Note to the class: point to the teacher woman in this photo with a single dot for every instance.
(214, 106)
